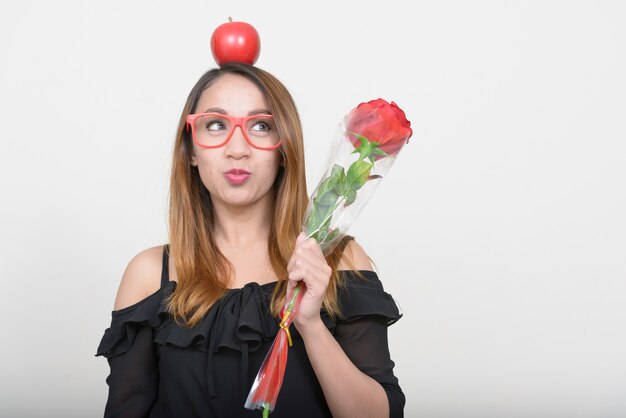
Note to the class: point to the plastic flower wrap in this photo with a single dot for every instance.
(370, 137)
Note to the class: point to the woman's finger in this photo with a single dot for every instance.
(297, 249)
(298, 274)
(291, 284)
(310, 250)
(315, 275)
(312, 245)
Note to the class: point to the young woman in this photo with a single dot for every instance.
(194, 318)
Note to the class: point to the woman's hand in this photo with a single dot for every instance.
(308, 265)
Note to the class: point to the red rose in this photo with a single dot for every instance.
(379, 121)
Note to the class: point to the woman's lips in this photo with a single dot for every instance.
(236, 178)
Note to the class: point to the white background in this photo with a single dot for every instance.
(500, 229)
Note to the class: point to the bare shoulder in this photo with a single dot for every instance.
(141, 278)
(354, 258)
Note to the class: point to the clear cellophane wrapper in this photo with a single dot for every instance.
(333, 207)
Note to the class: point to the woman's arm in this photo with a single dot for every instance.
(128, 344)
(348, 391)
(133, 378)
(141, 277)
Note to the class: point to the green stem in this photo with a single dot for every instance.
(266, 410)
(293, 298)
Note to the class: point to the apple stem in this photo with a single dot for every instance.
(230, 19)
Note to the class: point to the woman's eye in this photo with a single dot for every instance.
(215, 125)
(261, 126)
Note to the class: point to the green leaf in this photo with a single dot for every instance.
(342, 188)
(325, 186)
(337, 172)
(350, 198)
(320, 215)
(322, 231)
(327, 198)
(331, 235)
(357, 174)
(313, 221)
(338, 179)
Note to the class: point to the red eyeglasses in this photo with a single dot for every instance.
(214, 130)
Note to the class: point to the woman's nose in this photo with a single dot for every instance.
(237, 146)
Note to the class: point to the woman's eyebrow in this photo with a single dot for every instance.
(216, 110)
(259, 111)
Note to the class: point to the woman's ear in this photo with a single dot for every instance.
(193, 161)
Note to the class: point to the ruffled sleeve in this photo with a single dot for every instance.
(128, 345)
(367, 311)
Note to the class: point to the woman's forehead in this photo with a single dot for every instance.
(235, 94)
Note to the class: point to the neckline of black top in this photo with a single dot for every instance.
(264, 286)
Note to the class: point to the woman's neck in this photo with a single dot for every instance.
(243, 227)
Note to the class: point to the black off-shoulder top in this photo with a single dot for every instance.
(160, 369)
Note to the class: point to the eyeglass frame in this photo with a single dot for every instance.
(236, 121)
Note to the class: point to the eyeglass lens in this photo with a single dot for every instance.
(213, 130)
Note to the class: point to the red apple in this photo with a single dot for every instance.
(235, 42)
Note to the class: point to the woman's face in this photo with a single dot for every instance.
(236, 96)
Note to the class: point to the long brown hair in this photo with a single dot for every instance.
(203, 271)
